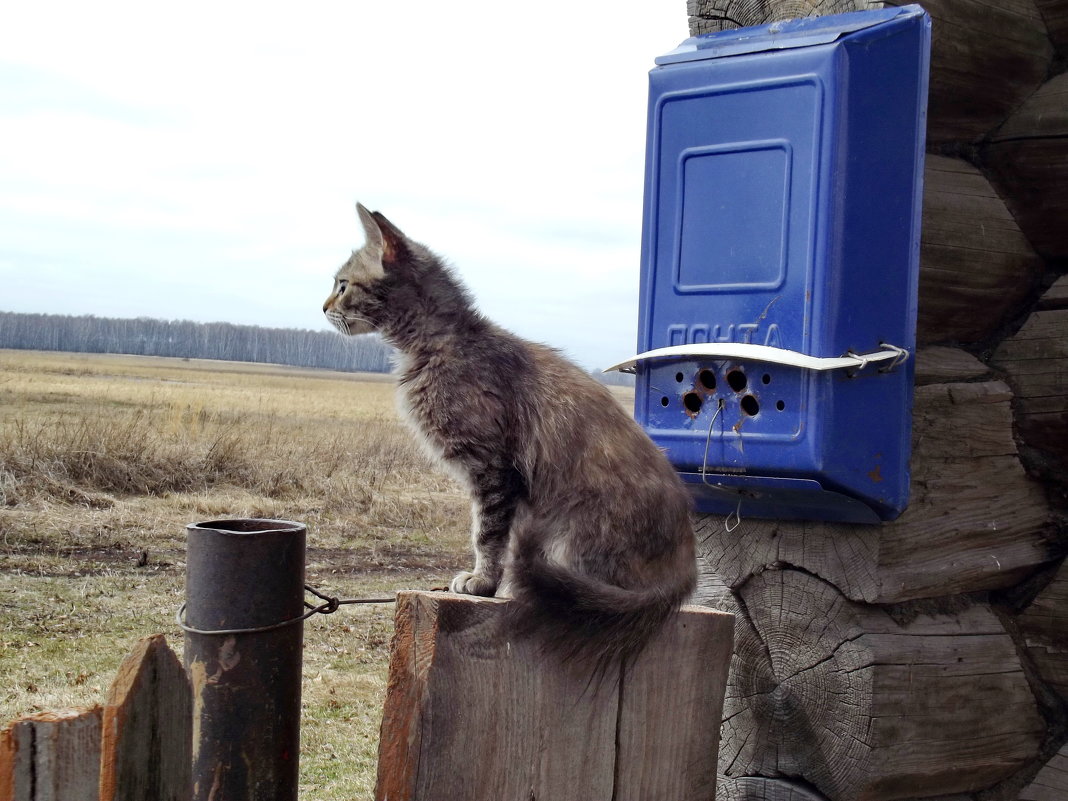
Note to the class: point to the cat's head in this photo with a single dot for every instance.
(356, 304)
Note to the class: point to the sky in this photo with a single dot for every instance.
(201, 161)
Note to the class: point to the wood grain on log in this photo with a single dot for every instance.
(1056, 297)
(51, 755)
(1027, 159)
(475, 714)
(865, 708)
(976, 266)
(1035, 360)
(975, 520)
(756, 788)
(1051, 783)
(985, 57)
(1055, 14)
(146, 748)
(941, 365)
(1044, 626)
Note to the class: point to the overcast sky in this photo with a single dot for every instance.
(202, 160)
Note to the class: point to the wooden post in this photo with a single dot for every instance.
(474, 714)
(137, 748)
(146, 748)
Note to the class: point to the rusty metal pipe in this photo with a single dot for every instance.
(245, 574)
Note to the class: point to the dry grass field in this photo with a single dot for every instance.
(104, 459)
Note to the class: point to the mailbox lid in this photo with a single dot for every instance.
(781, 35)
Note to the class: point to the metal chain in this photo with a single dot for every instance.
(330, 605)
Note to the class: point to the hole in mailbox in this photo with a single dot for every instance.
(765, 379)
(679, 377)
(707, 379)
(692, 402)
(750, 405)
(736, 379)
(664, 401)
(780, 405)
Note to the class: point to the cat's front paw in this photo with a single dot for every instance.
(473, 584)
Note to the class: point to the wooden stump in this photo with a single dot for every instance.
(985, 58)
(867, 705)
(474, 714)
(976, 266)
(1028, 161)
(972, 507)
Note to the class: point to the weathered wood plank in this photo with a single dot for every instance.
(1051, 783)
(986, 57)
(863, 706)
(976, 266)
(680, 677)
(972, 506)
(51, 756)
(472, 713)
(146, 749)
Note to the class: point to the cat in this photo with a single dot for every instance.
(576, 515)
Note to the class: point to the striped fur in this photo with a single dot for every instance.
(576, 514)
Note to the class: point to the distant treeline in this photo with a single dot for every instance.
(182, 338)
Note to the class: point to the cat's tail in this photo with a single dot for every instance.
(583, 619)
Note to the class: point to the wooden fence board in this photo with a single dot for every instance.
(147, 728)
(472, 713)
(51, 756)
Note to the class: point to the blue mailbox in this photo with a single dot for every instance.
(780, 256)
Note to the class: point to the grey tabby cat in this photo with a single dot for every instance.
(577, 516)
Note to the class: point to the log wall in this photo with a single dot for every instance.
(928, 657)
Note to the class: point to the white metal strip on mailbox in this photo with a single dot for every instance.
(765, 353)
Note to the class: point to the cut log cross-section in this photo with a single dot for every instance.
(867, 707)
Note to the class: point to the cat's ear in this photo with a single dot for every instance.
(370, 228)
(394, 243)
(382, 235)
